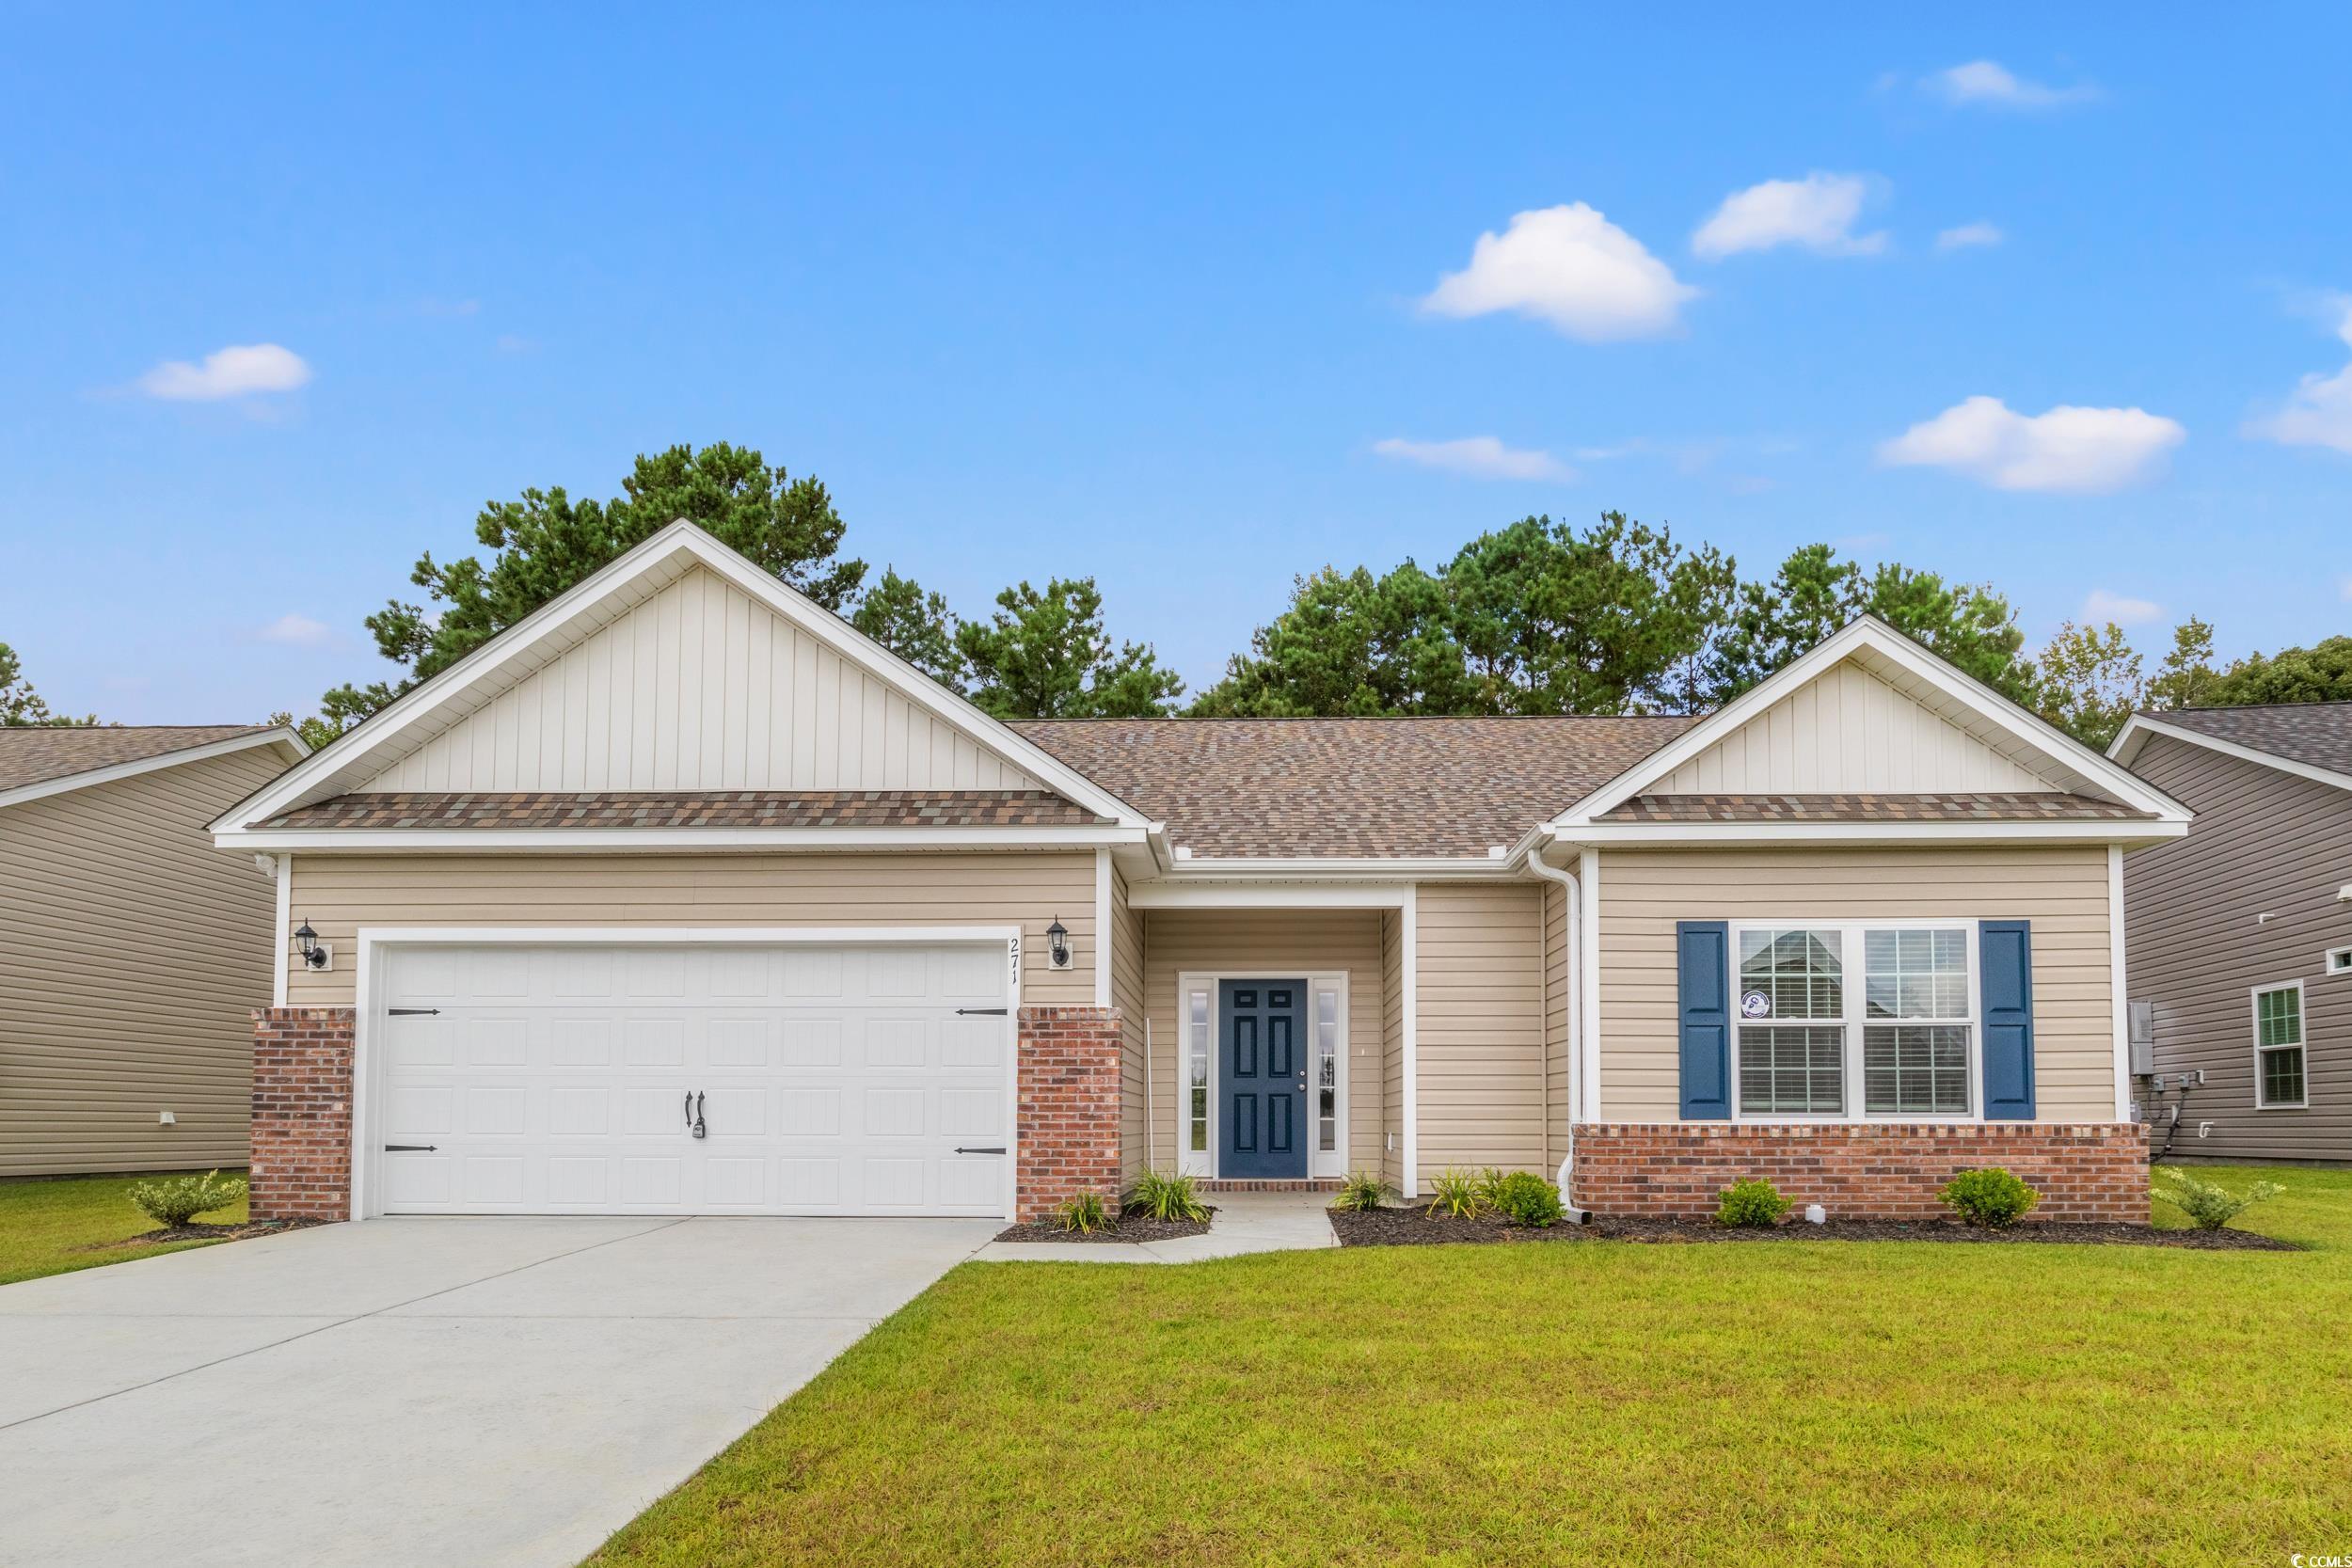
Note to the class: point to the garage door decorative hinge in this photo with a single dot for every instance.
(980, 1012)
(414, 1012)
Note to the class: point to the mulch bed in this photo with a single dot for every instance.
(1413, 1227)
(204, 1233)
(1129, 1228)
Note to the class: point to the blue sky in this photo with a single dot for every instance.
(1191, 300)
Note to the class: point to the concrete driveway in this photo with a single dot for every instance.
(406, 1391)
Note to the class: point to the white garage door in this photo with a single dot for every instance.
(821, 1079)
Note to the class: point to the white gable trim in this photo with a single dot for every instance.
(110, 773)
(1868, 633)
(666, 554)
(2139, 727)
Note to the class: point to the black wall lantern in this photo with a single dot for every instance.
(1057, 944)
(307, 943)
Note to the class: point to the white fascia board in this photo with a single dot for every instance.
(1878, 638)
(1726, 835)
(1423, 869)
(1267, 895)
(665, 549)
(2140, 727)
(584, 840)
(114, 771)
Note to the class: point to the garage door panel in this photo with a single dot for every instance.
(832, 1080)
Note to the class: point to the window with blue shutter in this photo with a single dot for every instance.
(1703, 950)
(2005, 982)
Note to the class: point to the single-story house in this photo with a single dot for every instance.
(680, 896)
(2241, 933)
(131, 951)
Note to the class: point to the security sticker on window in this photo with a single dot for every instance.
(1755, 1005)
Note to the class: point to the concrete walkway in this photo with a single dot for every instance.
(1245, 1222)
(418, 1391)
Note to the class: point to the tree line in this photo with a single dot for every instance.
(1534, 617)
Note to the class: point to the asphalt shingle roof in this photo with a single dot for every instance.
(2318, 735)
(847, 808)
(1351, 787)
(2019, 806)
(36, 755)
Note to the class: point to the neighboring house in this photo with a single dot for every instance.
(2241, 934)
(131, 949)
(682, 896)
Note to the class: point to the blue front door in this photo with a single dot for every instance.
(1263, 1025)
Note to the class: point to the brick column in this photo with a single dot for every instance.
(302, 1113)
(1067, 1119)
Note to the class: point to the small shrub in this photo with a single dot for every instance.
(1083, 1215)
(173, 1201)
(1457, 1194)
(1362, 1191)
(1167, 1198)
(1525, 1198)
(1752, 1202)
(1992, 1197)
(2208, 1204)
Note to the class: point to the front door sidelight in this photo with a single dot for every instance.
(1262, 1063)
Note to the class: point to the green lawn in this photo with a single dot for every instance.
(44, 1224)
(1827, 1402)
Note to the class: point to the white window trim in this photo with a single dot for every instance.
(2302, 1042)
(2338, 960)
(1203, 1163)
(1852, 967)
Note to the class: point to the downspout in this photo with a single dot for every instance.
(1571, 914)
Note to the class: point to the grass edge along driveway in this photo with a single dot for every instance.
(1831, 1403)
(47, 1224)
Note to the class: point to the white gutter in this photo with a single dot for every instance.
(1574, 920)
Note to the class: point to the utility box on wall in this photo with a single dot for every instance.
(2143, 1037)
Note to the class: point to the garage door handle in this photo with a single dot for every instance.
(980, 1012)
(998, 1150)
(410, 1148)
(414, 1012)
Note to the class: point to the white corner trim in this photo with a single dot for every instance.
(2119, 984)
(2139, 727)
(279, 937)
(1409, 957)
(1868, 632)
(1103, 928)
(114, 771)
(1588, 883)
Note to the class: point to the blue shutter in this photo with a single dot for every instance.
(2005, 981)
(1703, 950)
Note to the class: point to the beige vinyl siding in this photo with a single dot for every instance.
(700, 686)
(132, 956)
(1559, 1003)
(1267, 942)
(2061, 890)
(339, 894)
(1480, 1042)
(1127, 958)
(1848, 731)
(1391, 1148)
(2249, 898)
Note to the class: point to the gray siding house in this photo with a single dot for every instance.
(2240, 934)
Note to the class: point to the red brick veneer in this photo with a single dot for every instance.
(2083, 1170)
(302, 1113)
(1067, 1118)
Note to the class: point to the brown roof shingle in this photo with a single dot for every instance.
(973, 808)
(1350, 787)
(36, 755)
(2318, 735)
(2021, 806)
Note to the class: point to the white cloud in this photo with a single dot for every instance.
(2082, 450)
(1969, 234)
(295, 629)
(1817, 211)
(240, 370)
(2319, 412)
(2103, 607)
(1571, 267)
(1479, 456)
(1994, 86)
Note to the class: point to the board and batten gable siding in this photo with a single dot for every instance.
(1127, 958)
(132, 956)
(1480, 1057)
(339, 894)
(1847, 731)
(2062, 890)
(1268, 941)
(2265, 842)
(700, 686)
